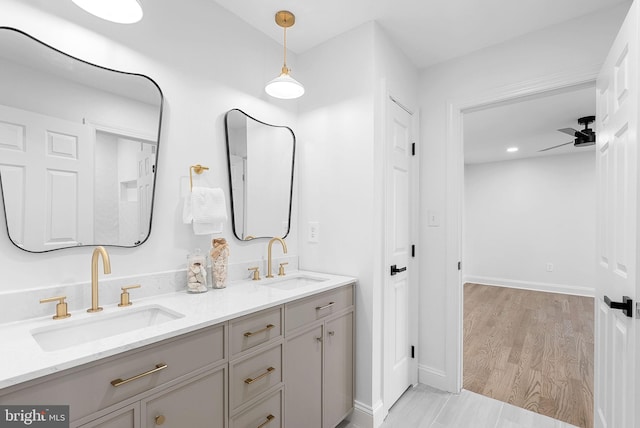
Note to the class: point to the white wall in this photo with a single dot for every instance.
(522, 214)
(554, 51)
(340, 142)
(336, 172)
(268, 179)
(57, 97)
(106, 190)
(205, 63)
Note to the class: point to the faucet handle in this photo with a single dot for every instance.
(61, 307)
(256, 273)
(281, 268)
(124, 296)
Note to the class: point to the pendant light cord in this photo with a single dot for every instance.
(284, 67)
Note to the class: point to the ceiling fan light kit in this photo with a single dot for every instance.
(583, 138)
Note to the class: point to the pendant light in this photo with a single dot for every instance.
(120, 11)
(285, 86)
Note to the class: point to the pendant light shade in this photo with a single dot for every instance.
(285, 86)
(120, 11)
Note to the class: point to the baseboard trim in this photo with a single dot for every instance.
(364, 416)
(433, 377)
(529, 285)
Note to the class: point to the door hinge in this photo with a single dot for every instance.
(413, 351)
(413, 251)
(459, 265)
(413, 149)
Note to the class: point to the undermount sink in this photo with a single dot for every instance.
(292, 282)
(71, 333)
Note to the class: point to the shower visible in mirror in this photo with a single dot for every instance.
(78, 148)
(261, 160)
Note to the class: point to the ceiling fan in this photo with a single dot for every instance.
(586, 137)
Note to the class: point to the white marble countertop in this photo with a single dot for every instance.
(22, 359)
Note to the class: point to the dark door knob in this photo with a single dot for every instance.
(395, 270)
(626, 305)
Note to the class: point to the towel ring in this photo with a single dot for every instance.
(198, 169)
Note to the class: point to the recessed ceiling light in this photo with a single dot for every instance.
(512, 149)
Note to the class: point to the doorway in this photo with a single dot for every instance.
(528, 246)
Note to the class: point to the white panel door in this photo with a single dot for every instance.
(397, 346)
(51, 160)
(146, 170)
(616, 379)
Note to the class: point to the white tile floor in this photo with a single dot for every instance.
(425, 407)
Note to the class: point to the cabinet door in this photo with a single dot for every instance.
(197, 403)
(338, 370)
(127, 417)
(303, 380)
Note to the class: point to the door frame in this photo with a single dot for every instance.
(412, 263)
(454, 144)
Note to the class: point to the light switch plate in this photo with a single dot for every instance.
(433, 218)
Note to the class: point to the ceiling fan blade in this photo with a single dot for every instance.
(569, 131)
(559, 145)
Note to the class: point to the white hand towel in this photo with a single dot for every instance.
(208, 210)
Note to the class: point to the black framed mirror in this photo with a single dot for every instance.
(261, 159)
(78, 148)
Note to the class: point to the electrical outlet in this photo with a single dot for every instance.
(314, 231)
(549, 267)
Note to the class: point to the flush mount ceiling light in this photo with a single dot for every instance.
(120, 11)
(512, 149)
(285, 86)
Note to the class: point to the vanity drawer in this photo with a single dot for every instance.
(306, 311)
(254, 374)
(252, 330)
(89, 388)
(264, 414)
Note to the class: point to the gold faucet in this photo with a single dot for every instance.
(284, 248)
(106, 265)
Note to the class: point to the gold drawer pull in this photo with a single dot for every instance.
(251, 333)
(249, 381)
(118, 382)
(265, 423)
(319, 308)
(159, 420)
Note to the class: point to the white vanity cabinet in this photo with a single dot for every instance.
(319, 359)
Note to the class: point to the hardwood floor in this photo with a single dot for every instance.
(425, 407)
(530, 349)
